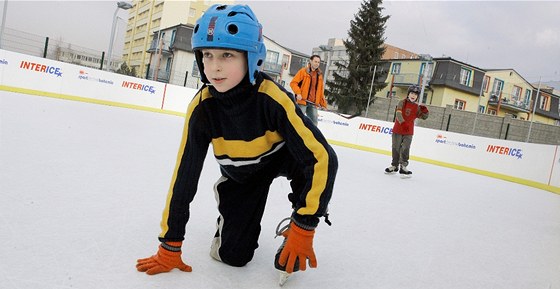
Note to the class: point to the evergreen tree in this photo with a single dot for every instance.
(350, 88)
(126, 70)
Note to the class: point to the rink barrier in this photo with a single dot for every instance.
(535, 165)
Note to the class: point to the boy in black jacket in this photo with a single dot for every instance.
(257, 133)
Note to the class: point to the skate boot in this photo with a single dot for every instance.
(391, 170)
(405, 173)
(283, 231)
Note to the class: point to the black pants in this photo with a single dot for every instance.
(241, 207)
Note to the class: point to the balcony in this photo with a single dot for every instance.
(506, 102)
(165, 49)
(272, 68)
(406, 79)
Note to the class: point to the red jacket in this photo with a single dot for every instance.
(406, 114)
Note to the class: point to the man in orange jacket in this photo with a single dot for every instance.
(308, 87)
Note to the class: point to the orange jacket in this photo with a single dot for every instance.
(301, 84)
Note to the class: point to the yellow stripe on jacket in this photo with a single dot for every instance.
(320, 169)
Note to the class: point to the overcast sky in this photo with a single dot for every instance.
(522, 35)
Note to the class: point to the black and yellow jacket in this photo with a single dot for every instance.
(247, 126)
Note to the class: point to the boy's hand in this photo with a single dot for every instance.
(299, 245)
(163, 261)
(423, 109)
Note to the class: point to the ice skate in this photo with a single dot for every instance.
(283, 231)
(405, 173)
(391, 170)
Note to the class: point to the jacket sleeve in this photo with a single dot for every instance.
(398, 111)
(310, 149)
(294, 84)
(190, 159)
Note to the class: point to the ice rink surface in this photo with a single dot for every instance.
(82, 188)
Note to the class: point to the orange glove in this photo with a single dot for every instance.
(164, 261)
(299, 245)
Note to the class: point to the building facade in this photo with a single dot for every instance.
(171, 59)
(449, 82)
(147, 17)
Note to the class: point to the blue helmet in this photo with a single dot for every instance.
(231, 27)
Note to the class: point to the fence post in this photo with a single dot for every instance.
(46, 47)
(102, 60)
(186, 76)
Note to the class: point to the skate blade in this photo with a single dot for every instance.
(283, 278)
(403, 176)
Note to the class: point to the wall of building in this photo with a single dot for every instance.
(459, 121)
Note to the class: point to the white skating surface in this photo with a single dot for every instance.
(82, 188)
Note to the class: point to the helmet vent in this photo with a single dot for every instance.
(232, 29)
(196, 28)
(222, 7)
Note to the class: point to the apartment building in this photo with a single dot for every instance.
(171, 60)
(147, 17)
(335, 51)
(449, 82)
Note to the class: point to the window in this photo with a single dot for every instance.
(168, 66)
(272, 56)
(497, 88)
(195, 71)
(396, 56)
(492, 111)
(192, 12)
(481, 108)
(396, 68)
(543, 103)
(460, 104)
(485, 84)
(465, 77)
(285, 61)
(527, 99)
(516, 93)
(172, 41)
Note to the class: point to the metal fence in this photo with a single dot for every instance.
(41, 46)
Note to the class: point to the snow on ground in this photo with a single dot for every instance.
(82, 188)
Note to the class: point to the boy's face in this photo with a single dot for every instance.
(412, 96)
(224, 68)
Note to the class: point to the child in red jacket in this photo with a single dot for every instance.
(403, 130)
